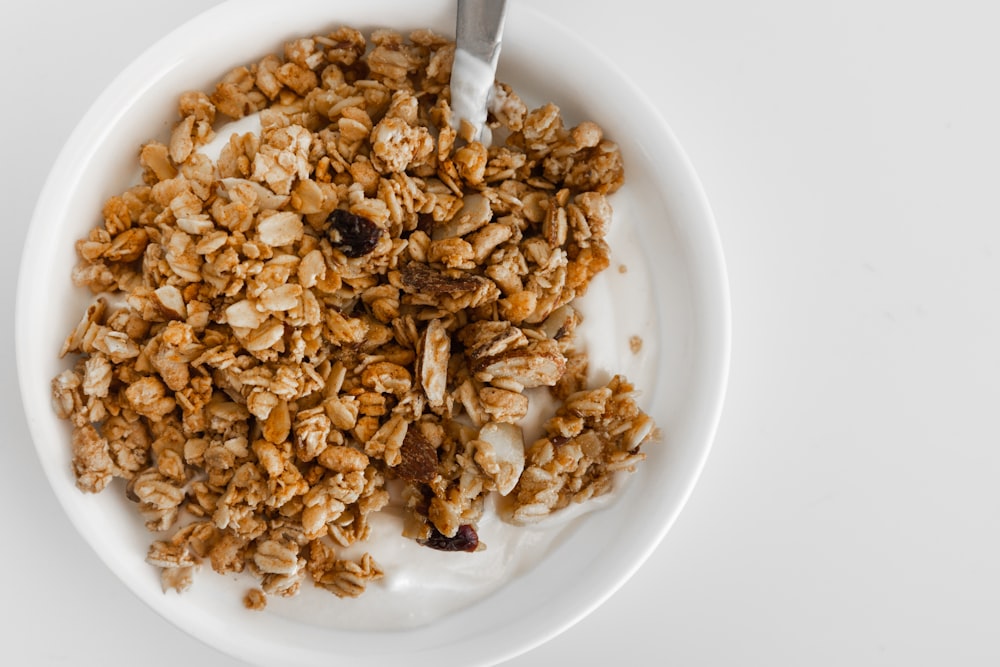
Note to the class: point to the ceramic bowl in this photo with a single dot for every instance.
(666, 286)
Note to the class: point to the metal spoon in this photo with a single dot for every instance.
(478, 31)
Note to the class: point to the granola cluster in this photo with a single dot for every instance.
(355, 299)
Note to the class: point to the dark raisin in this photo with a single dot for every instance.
(425, 223)
(352, 234)
(465, 539)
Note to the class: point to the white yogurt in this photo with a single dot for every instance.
(471, 90)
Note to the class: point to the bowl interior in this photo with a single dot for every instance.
(666, 285)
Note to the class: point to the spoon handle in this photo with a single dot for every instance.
(478, 32)
(480, 28)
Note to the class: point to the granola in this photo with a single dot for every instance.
(350, 296)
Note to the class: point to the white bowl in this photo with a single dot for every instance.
(673, 294)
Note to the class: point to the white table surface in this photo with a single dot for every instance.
(850, 510)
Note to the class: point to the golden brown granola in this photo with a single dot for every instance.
(349, 296)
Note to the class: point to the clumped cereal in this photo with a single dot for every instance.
(352, 295)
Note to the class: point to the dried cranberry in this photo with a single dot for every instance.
(465, 539)
(352, 234)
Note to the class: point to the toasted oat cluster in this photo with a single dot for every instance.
(355, 299)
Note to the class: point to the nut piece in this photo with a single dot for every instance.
(436, 345)
(475, 213)
(539, 364)
(171, 302)
(280, 229)
(500, 453)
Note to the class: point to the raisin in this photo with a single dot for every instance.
(465, 539)
(354, 235)
(425, 223)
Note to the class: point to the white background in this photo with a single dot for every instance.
(850, 510)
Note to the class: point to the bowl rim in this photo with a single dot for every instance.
(711, 266)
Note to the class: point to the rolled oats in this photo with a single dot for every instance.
(352, 295)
